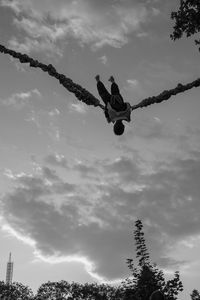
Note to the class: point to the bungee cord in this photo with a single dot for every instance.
(165, 95)
(80, 93)
(85, 96)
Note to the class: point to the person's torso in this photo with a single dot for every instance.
(117, 102)
(115, 115)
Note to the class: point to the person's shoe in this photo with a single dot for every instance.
(97, 77)
(111, 79)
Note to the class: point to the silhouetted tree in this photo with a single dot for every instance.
(187, 19)
(101, 292)
(55, 290)
(195, 295)
(15, 291)
(146, 277)
(157, 295)
(90, 291)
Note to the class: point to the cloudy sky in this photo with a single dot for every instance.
(70, 189)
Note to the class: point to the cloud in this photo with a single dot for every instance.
(54, 112)
(135, 88)
(45, 25)
(170, 262)
(47, 122)
(92, 218)
(84, 169)
(103, 59)
(11, 4)
(133, 82)
(57, 160)
(29, 45)
(20, 100)
(156, 11)
(161, 74)
(78, 107)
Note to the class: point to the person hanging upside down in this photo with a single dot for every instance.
(116, 110)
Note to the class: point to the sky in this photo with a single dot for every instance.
(70, 190)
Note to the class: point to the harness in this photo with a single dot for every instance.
(114, 115)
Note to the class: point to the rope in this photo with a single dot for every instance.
(165, 95)
(80, 93)
(85, 96)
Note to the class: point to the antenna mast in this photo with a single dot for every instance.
(9, 271)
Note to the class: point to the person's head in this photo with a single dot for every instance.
(118, 127)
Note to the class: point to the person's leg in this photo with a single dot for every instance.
(116, 102)
(103, 92)
(114, 87)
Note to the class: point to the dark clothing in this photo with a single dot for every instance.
(115, 107)
(119, 104)
(103, 92)
(115, 89)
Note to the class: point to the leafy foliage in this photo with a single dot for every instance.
(15, 291)
(187, 19)
(146, 277)
(195, 295)
(63, 290)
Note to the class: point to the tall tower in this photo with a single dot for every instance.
(9, 271)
